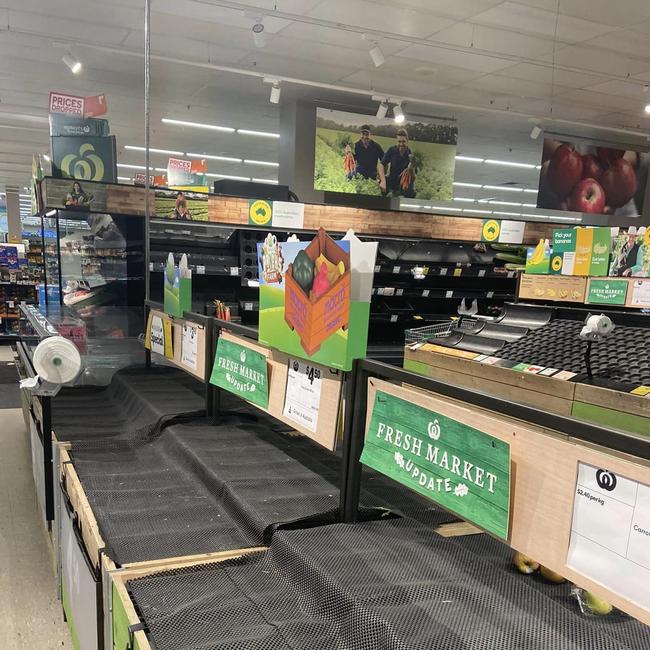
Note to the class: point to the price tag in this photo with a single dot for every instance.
(449, 294)
(425, 293)
(490, 294)
(200, 270)
(11, 304)
(481, 273)
(393, 318)
(248, 306)
(377, 268)
(151, 266)
(389, 291)
(190, 346)
(399, 292)
(511, 274)
(380, 291)
(397, 269)
(234, 270)
(302, 400)
(458, 272)
(443, 271)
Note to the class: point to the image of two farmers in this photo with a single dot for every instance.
(392, 169)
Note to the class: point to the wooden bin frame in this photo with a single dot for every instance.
(119, 584)
(540, 520)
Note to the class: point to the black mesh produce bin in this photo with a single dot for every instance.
(391, 585)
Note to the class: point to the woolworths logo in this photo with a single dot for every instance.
(84, 166)
(463, 469)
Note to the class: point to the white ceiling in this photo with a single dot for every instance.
(588, 63)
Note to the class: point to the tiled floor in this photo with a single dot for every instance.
(30, 615)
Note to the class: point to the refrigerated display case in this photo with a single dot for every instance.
(92, 260)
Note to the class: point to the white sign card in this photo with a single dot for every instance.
(512, 232)
(287, 214)
(641, 293)
(302, 399)
(610, 533)
(190, 346)
(157, 335)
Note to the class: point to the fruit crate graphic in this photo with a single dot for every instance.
(316, 319)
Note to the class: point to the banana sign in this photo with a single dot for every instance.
(84, 159)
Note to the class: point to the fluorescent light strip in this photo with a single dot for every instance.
(232, 178)
(24, 196)
(125, 166)
(508, 163)
(264, 163)
(124, 178)
(478, 211)
(501, 187)
(445, 209)
(265, 180)
(198, 125)
(531, 191)
(261, 134)
(208, 157)
(469, 159)
(131, 147)
(465, 199)
(459, 184)
(504, 203)
(508, 214)
(530, 205)
(410, 205)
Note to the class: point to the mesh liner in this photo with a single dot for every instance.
(198, 488)
(135, 399)
(390, 585)
(557, 345)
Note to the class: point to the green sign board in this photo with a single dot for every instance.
(242, 371)
(600, 251)
(564, 240)
(607, 292)
(459, 467)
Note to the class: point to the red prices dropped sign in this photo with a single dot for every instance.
(67, 104)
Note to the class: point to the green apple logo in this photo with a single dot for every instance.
(87, 166)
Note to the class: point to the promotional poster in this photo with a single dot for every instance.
(181, 205)
(361, 154)
(187, 175)
(178, 287)
(315, 297)
(586, 178)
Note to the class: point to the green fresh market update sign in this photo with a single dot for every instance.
(242, 371)
(459, 467)
(607, 292)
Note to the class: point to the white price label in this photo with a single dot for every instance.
(399, 292)
(481, 273)
(302, 400)
(234, 270)
(11, 304)
(425, 293)
(200, 270)
(449, 294)
(393, 318)
(443, 271)
(190, 346)
(151, 266)
(377, 268)
(511, 274)
(397, 269)
(610, 532)
(380, 291)
(490, 294)
(248, 306)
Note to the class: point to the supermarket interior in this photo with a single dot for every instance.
(325, 324)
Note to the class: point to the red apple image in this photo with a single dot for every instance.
(565, 170)
(587, 196)
(619, 183)
(591, 167)
(608, 155)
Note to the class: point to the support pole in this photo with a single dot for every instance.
(147, 129)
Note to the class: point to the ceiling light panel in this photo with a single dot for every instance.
(198, 125)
